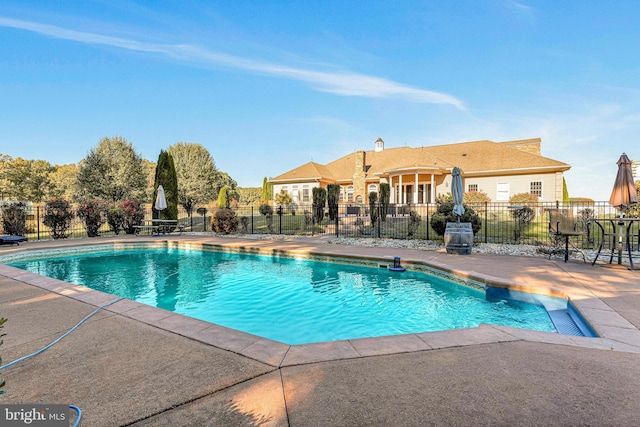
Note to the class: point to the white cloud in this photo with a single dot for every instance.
(342, 83)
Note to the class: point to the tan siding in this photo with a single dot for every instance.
(519, 184)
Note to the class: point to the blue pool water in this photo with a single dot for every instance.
(291, 300)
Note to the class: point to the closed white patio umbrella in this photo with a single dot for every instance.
(161, 201)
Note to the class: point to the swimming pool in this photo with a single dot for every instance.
(294, 300)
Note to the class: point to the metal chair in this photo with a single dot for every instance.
(562, 226)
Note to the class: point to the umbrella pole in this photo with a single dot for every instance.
(620, 240)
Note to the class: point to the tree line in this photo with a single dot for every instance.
(113, 171)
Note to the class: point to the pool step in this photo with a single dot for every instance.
(569, 324)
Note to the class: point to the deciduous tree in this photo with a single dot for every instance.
(22, 179)
(62, 180)
(249, 195)
(198, 178)
(112, 171)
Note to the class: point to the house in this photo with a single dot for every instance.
(418, 175)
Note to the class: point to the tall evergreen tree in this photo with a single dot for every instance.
(166, 176)
(267, 190)
(385, 195)
(333, 195)
(223, 198)
(319, 196)
(565, 192)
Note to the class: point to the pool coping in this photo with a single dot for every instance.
(615, 332)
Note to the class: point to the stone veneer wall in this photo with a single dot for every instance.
(359, 175)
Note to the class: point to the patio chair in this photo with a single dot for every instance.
(562, 226)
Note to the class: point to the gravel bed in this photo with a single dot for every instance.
(424, 245)
(482, 248)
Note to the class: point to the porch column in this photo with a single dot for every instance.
(391, 190)
(401, 190)
(432, 194)
(415, 191)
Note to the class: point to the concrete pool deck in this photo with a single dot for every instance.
(136, 365)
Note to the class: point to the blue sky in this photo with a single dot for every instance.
(268, 85)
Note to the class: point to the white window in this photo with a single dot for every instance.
(535, 187)
(372, 188)
(305, 194)
(472, 187)
(350, 193)
(502, 191)
(341, 197)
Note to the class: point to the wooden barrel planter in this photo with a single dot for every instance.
(458, 238)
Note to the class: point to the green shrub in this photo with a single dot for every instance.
(57, 216)
(581, 200)
(414, 223)
(308, 220)
(445, 214)
(283, 198)
(269, 218)
(265, 209)
(244, 224)
(476, 197)
(224, 221)
(443, 198)
(523, 217)
(133, 214)
(90, 213)
(115, 219)
(523, 199)
(14, 218)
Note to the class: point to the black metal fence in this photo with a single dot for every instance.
(500, 222)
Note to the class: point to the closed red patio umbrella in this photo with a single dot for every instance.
(624, 192)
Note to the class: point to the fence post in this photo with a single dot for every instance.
(251, 219)
(337, 226)
(486, 224)
(428, 226)
(38, 220)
